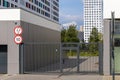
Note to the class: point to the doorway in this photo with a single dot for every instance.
(3, 59)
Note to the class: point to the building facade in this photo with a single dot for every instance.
(93, 17)
(107, 40)
(46, 8)
(81, 34)
(36, 29)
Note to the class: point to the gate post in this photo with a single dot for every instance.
(78, 52)
(21, 58)
(61, 70)
(100, 50)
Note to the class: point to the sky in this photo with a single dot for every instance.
(71, 11)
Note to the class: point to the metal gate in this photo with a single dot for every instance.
(69, 57)
(61, 57)
(82, 58)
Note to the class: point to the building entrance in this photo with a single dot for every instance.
(3, 59)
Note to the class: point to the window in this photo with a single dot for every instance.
(117, 42)
(12, 5)
(16, 1)
(42, 12)
(31, 0)
(4, 3)
(46, 2)
(55, 18)
(47, 14)
(32, 7)
(40, 4)
(42, 0)
(27, 5)
(15, 5)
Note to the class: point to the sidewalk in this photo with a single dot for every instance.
(56, 77)
(110, 77)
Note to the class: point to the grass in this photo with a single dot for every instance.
(83, 53)
(89, 54)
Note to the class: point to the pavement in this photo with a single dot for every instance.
(110, 77)
(56, 77)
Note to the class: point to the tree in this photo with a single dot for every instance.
(70, 34)
(63, 35)
(95, 37)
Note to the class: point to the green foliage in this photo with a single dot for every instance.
(89, 54)
(95, 37)
(70, 34)
(71, 53)
(63, 35)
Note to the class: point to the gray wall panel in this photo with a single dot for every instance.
(39, 55)
(34, 33)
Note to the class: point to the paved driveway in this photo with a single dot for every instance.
(56, 77)
(52, 77)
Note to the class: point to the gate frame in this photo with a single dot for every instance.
(69, 48)
(100, 57)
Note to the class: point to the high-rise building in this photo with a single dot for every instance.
(81, 34)
(46, 8)
(93, 17)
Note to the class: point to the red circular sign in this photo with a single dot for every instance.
(18, 39)
(18, 30)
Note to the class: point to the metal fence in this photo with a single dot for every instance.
(62, 57)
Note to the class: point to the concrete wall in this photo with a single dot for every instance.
(7, 38)
(106, 49)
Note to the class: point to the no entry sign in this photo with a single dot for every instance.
(18, 39)
(18, 30)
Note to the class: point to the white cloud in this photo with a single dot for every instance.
(70, 23)
(71, 17)
(66, 25)
(65, 18)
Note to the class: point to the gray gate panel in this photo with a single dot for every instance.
(41, 57)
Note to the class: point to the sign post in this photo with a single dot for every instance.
(18, 40)
(112, 44)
